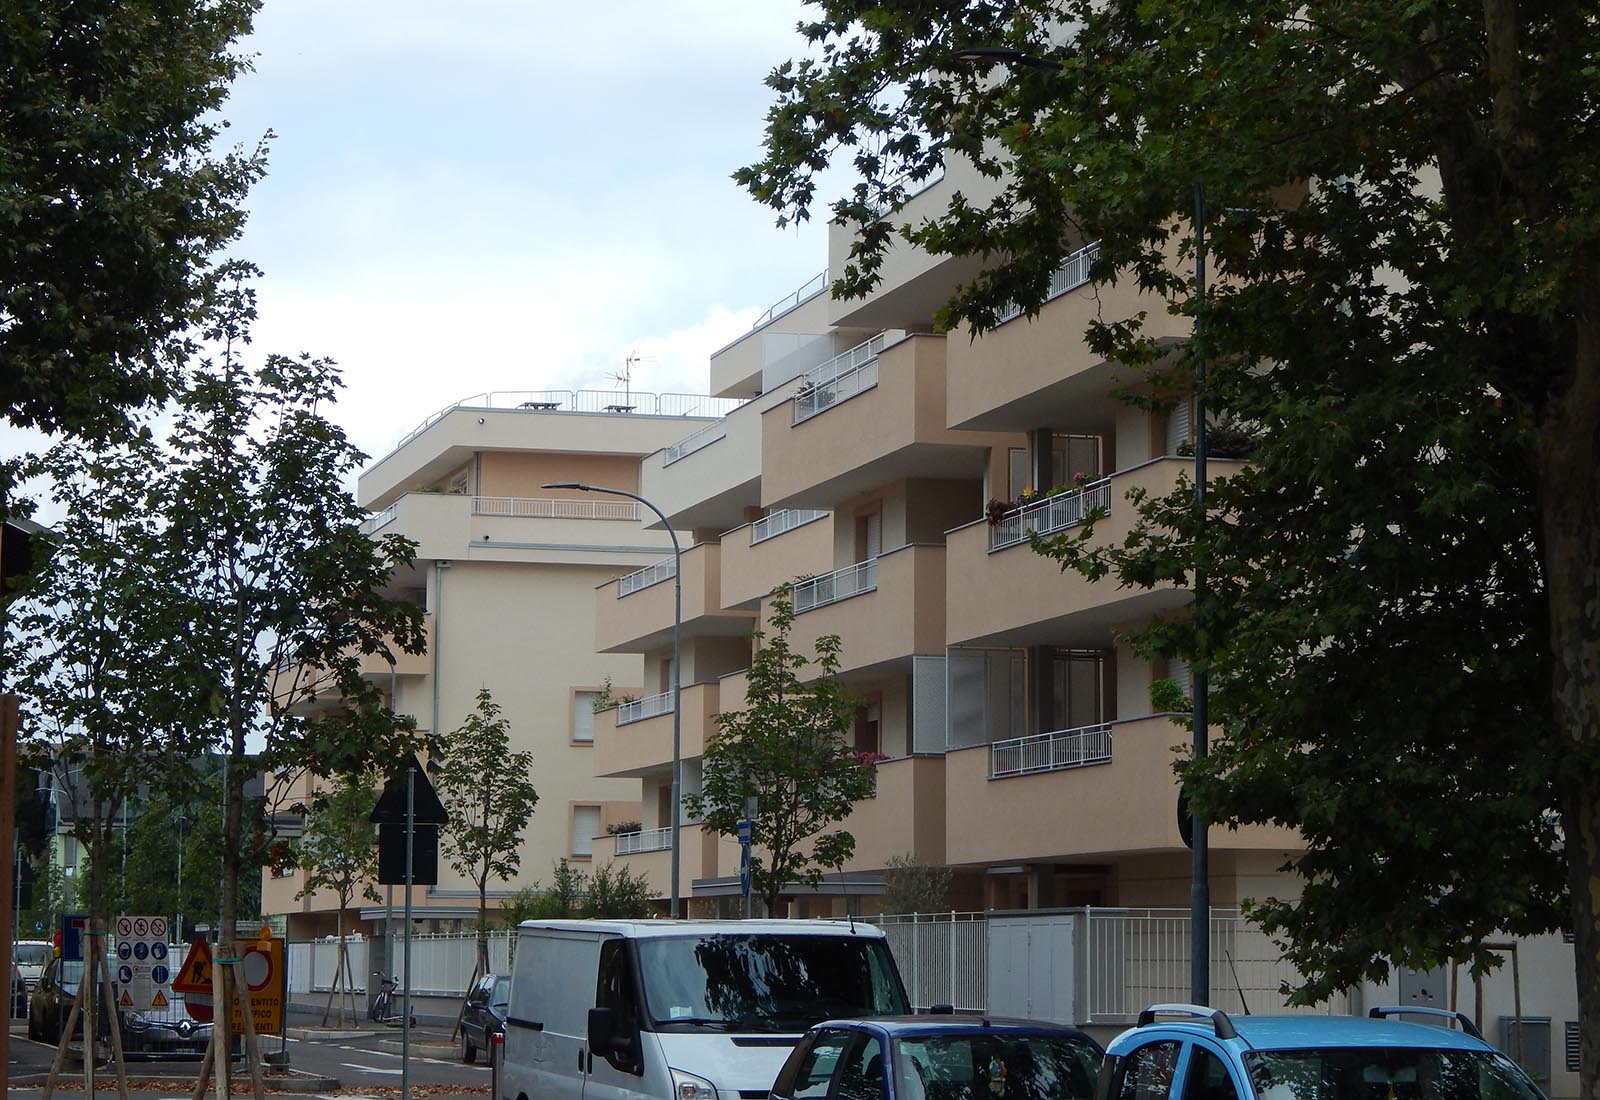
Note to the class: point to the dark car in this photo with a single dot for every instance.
(940, 1058)
(169, 1033)
(483, 1016)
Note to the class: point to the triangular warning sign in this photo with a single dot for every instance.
(127, 1001)
(158, 1001)
(194, 976)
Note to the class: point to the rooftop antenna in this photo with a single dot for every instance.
(625, 375)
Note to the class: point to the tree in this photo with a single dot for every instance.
(612, 892)
(787, 750)
(271, 588)
(487, 793)
(1398, 607)
(114, 198)
(339, 851)
(912, 886)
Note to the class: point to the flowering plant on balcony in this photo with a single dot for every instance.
(868, 758)
(998, 509)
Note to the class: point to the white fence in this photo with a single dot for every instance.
(1048, 752)
(845, 375)
(441, 963)
(785, 519)
(943, 958)
(1050, 514)
(644, 840)
(643, 578)
(1073, 273)
(690, 444)
(651, 706)
(554, 508)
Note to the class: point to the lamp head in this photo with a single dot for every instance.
(568, 485)
(1004, 55)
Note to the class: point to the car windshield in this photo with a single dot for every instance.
(996, 1066)
(32, 954)
(502, 992)
(1386, 1073)
(767, 982)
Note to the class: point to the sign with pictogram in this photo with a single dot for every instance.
(140, 940)
(194, 976)
(158, 1001)
(262, 970)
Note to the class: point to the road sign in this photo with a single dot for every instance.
(194, 976)
(138, 937)
(263, 972)
(73, 925)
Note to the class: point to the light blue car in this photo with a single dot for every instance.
(1186, 1052)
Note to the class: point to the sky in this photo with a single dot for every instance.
(511, 194)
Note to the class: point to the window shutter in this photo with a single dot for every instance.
(585, 827)
(583, 715)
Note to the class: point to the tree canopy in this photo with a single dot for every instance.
(786, 749)
(1401, 607)
(113, 197)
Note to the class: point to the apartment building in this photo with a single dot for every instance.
(873, 462)
(505, 572)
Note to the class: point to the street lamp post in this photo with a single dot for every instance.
(677, 670)
(1200, 873)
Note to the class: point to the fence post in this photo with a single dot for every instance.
(953, 998)
(916, 961)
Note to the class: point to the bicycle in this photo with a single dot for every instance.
(384, 1010)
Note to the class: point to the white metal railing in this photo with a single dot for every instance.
(808, 289)
(644, 840)
(650, 706)
(441, 962)
(690, 444)
(377, 521)
(841, 584)
(590, 401)
(785, 519)
(845, 375)
(650, 574)
(555, 508)
(943, 957)
(1048, 514)
(1073, 273)
(1049, 752)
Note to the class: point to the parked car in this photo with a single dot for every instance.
(483, 1015)
(1185, 1052)
(943, 1057)
(146, 1034)
(30, 957)
(681, 1010)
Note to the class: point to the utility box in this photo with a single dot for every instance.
(1534, 1053)
(1424, 989)
(1032, 961)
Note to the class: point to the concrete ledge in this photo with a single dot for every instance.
(316, 1033)
(422, 1048)
(299, 1082)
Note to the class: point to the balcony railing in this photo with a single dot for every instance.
(587, 401)
(785, 519)
(377, 521)
(809, 289)
(841, 584)
(1073, 273)
(845, 375)
(650, 574)
(689, 445)
(1049, 514)
(651, 706)
(554, 508)
(644, 840)
(1049, 752)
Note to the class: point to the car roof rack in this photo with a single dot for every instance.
(1465, 1021)
(1219, 1019)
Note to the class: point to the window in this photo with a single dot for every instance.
(869, 536)
(583, 715)
(585, 827)
(868, 718)
(862, 1075)
(816, 1070)
(1208, 1077)
(614, 990)
(1017, 460)
(1147, 1072)
(1077, 677)
(1071, 455)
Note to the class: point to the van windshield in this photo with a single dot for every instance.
(768, 982)
(32, 954)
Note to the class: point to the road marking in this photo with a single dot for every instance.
(371, 1069)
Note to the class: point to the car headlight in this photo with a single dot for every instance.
(686, 1086)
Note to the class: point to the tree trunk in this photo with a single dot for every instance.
(1569, 477)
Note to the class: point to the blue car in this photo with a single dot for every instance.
(1185, 1052)
(943, 1057)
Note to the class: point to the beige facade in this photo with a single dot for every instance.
(506, 572)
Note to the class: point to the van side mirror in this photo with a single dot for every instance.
(602, 1030)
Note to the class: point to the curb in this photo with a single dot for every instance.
(315, 1033)
(431, 1048)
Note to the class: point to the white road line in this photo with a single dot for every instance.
(371, 1069)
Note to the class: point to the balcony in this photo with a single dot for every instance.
(873, 416)
(885, 610)
(793, 543)
(635, 739)
(451, 526)
(1002, 593)
(643, 840)
(634, 613)
(1087, 795)
(906, 815)
(314, 689)
(1027, 372)
(702, 854)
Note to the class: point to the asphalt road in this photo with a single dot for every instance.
(369, 1064)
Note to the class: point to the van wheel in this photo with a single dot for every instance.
(469, 1053)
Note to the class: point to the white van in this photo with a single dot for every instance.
(681, 1010)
